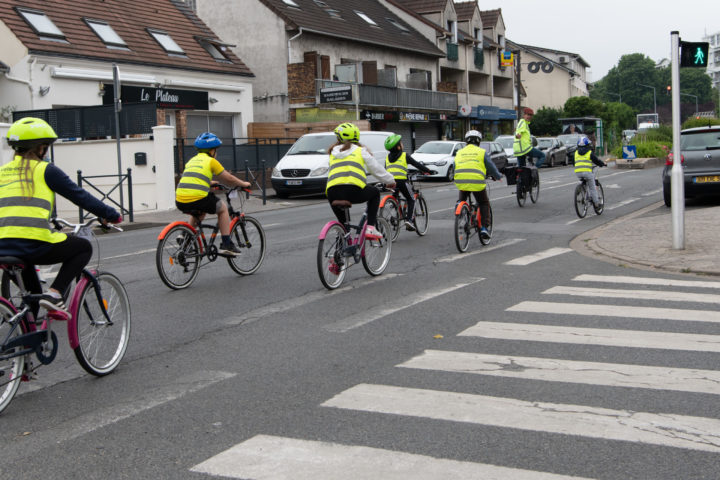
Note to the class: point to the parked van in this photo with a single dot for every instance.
(304, 168)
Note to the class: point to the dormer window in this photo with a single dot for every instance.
(106, 33)
(41, 24)
(366, 18)
(166, 41)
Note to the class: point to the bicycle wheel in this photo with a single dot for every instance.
(376, 255)
(421, 218)
(11, 369)
(485, 241)
(581, 206)
(389, 212)
(249, 236)
(462, 229)
(178, 257)
(535, 188)
(330, 259)
(601, 198)
(102, 344)
(520, 191)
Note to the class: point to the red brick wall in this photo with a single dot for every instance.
(301, 82)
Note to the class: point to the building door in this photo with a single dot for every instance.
(425, 132)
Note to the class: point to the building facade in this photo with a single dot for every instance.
(713, 67)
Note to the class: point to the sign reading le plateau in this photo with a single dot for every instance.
(163, 97)
(342, 93)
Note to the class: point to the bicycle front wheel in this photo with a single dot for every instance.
(331, 262)
(422, 216)
(462, 229)
(389, 212)
(102, 343)
(249, 236)
(581, 206)
(11, 369)
(178, 257)
(601, 198)
(376, 253)
(535, 188)
(485, 241)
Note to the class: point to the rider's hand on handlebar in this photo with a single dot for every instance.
(390, 185)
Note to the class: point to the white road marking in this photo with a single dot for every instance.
(459, 256)
(665, 282)
(667, 429)
(622, 203)
(557, 370)
(269, 457)
(375, 313)
(595, 336)
(611, 186)
(652, 192)
(536, 257)
(660, 295)
(139, 252)
(622, 311)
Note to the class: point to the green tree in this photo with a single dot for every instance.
(623, 81)
(546, 122)
(583, 107)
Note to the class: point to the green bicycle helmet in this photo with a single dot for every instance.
(391, 141)
(29, 132)
(347, 132)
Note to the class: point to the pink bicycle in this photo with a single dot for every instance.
(98, 327)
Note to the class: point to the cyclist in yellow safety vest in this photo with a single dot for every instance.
(28, 184)
(584, 159)
(522, 146)
(193, 191)
(347, 178)
(470, 176)
(396, 162)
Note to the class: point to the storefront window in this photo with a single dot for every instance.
(220, 125)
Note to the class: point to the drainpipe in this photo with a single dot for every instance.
(291, 39)
(26, 82)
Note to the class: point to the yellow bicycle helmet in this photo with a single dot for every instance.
(347, 132)
(29, 132)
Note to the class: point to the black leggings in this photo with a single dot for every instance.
(74, 253)
(355, 194)
(401, 186)
(483, 200)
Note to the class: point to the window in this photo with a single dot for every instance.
(166, 42)
(41, 23)
(106, 33)
(333, 13)
(290, 3)
(215, 49)
(366, 18)
(220, 125)
(398, 25)
(321, 4)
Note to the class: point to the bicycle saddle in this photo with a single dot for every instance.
(341, 203)
(12, 261)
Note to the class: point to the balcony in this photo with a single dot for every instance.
(377, 96)
(452, 51)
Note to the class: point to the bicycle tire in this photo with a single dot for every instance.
(101, 344)
(485, 241)
(376, 253)
(178, 257)
(421, 218)
(462, 229)
(331, 263)
(601, 198)
(389, 212)
(580, 203)
(535, 188)
(520, 191)
(249, 236)
(11, 369)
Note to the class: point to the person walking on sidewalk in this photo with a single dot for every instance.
(584, 159)
(522, 146)
(193, 191)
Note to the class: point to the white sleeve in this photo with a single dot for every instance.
(376, 169)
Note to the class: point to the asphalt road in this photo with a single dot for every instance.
(502, 362)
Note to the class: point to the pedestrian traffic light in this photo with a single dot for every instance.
(694, 54)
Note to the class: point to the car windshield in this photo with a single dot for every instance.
(544, 142)
(375, 143)
(443, 148)
(312, 144)
(506, 142)
(700, 140)
(569, 139)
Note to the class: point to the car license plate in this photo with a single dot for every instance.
(708, 179)
(293, 182)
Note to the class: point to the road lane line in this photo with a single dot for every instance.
(536, 257)
(459, 256)
(595, 336)
(635, 294)
(665, 282)
(375, 313)
(558, 370)
(622, 203)
(622, 311)
(139, 252)
(269, 457)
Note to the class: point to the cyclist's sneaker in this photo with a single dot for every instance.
(334, 268)
(409, 226)
(54, 304)
(484, 233)
(229, 250)
(371, 233)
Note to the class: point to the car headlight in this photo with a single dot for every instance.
(319, 171)
(276, 172)
(441, 163)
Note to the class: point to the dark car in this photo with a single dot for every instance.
(570, 140)
(496, 152)
(700, 160)
(554, 149)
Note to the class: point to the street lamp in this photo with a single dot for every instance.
(696, 101)
(654, 97)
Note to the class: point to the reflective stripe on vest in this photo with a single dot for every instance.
(583, 163)
(522, 145)
(348, 170)
(195, 180)
(470, 170)
(398, 169)
(22, 216)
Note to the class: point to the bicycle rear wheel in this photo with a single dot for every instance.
(389, 212)
(462, 229)
(249, 236)
(331, 262)
(178, 257)
(485, 241)
(601, 198)
(376, 253)
(581, 206)
(422, 216)
(11, 369)
(521, 191)
(535, 188)
(102, 343)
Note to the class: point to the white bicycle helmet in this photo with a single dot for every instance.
(473, 136)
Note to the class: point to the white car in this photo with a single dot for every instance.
(439, 155)
(507, 143)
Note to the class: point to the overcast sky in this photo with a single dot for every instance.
(603, 31)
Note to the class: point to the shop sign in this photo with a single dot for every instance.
(323, 115)
(163, 97)
(506, 59)
(342, 93)
(414, 117)
(379, 116)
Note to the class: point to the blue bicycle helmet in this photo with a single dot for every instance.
(207, 140)
(583, 142)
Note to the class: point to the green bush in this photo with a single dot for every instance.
(646, 149)
(661, 134)
(700, 122)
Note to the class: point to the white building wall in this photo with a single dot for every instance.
(713, 67)
(547, 89)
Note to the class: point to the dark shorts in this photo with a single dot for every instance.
(208, 204)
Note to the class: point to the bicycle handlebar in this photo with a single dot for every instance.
(227, 190)
(59, 223)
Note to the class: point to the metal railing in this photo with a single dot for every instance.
(378, 96)
(106, 195)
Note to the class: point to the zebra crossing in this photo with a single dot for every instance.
(271, 457)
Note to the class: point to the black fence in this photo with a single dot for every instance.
(237, 154)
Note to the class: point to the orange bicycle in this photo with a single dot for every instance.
(393, 208)
(468, 222)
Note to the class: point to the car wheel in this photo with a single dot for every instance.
(552, 161)
(666, 197)
(450, 176)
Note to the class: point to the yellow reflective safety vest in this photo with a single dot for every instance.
(583, 163)
(522, 145)
(399, 168)
(349, 170)
(22, 216)
(195, 181)
(470, 170)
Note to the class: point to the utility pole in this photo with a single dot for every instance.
(677, 185)
(517, 80)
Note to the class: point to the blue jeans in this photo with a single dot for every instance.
(535, 153)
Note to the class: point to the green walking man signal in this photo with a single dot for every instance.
(694, 54)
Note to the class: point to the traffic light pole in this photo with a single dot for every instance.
(677, 186)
